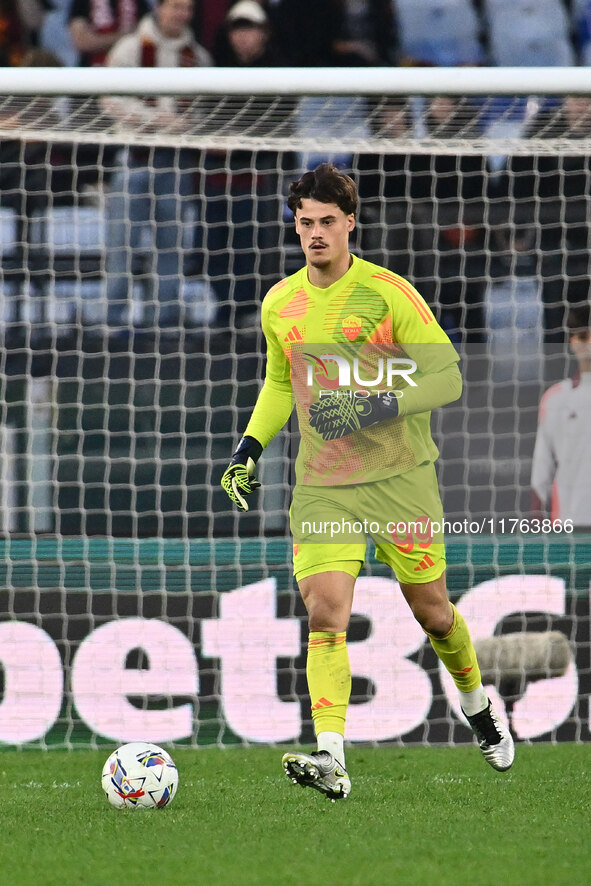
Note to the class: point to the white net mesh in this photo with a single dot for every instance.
(480, 124)
(133, 263)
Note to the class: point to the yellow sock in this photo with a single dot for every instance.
(329, 680)
(458, 654)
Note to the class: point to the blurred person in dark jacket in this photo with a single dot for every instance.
(349, 33)
(240, 207)
(20, 22)
(424, 213)
(543, 212)
(96, 25)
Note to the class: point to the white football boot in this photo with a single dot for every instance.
(494, 739)
(318, 770)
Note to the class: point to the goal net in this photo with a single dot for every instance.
(137, 239)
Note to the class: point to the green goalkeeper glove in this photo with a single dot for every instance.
(339, 415)
(237, 479)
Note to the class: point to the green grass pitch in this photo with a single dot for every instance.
(415, 817)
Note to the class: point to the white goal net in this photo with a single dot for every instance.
(137, 240)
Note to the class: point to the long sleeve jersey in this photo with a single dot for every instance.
(346, 337)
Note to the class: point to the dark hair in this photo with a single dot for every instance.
(578, 318)
(327, 185)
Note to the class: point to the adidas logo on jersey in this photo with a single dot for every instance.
(294, 334)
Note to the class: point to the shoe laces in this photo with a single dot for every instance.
(485, 727)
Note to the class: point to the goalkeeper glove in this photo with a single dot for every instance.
(339, 415)
(237, 479)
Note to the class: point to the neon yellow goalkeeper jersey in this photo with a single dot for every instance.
(368, 334)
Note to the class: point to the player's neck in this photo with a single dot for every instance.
(322, 278)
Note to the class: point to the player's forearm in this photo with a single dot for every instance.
(272, 410)
(432, 391)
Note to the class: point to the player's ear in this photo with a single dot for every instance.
(350, 222)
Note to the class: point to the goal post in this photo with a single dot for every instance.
(296, 81)
(230, 87)
(135, 251)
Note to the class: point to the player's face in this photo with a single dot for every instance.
(323, 229)
(581, 346)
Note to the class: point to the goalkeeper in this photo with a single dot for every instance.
(364, 359)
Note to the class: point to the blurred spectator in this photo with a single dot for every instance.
(522, 33)
(581, 19)
(210, 16)
(390, 235)
(427, 214)
(439, 32)
(24, 170)
(346, 33)
(74, 167)
(240, 187)
(55, 171)
(151, 186)
(26, 178)
(336, 32)
(32, 14)
(245, 38)
(451, 192)
(20, 22)
(560, 481)
(365, 33)
(543, 210)
(55, 35)
(96, 25)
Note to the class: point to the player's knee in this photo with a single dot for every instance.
(328, 601)
(435, 619)
(325, 620)
(325, 615)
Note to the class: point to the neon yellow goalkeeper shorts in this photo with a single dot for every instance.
(403, 515)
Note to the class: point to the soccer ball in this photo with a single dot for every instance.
(140, 775)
